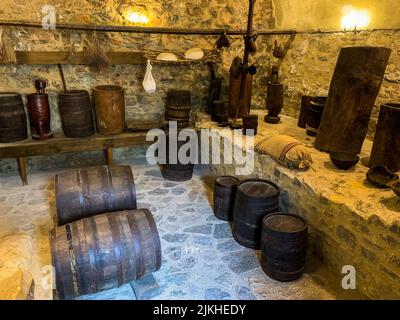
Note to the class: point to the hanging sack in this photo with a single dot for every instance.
(149, 84)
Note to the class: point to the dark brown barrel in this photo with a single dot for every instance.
(304, 111)
(250, 122)
(355, 85)
(284, 246)
(174, 169)
(386, 148)
(219, 111)
(317, 106)
(254, 199)
(214, 93)
(109, 105)
(274, 102)
(224, 197)
(178, 107)
(104, 252)
(87, 192)
(76, 114)
(13, 125)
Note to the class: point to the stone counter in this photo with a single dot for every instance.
(351, 221)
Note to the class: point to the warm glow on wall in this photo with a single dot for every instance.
(136, 17)
(355, 18)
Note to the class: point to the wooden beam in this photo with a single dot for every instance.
(22, 170)
(77, 58)
(63, 145)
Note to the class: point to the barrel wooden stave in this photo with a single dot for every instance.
(109, 103)
(86, 192)
(284, 246)
(255, 198)
(76, 114)
(13, 122)
(107, 251)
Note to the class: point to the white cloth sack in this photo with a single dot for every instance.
(149, 84)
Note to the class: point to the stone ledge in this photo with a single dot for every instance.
(351, 222)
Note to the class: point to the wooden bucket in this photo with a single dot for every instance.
(224, 197)
(76, 114)
(109, 103)
(104, 252)
(13, 125)
(87, 192)
(284, 246)
(178, 107)
(255, 198)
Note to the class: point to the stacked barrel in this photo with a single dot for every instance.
(102, 240)
(253, 206)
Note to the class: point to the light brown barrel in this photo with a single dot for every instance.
(355, 85)
(109, 103)
(13, 125)
(104, 252)
(86, 192)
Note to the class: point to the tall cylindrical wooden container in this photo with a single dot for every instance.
(39, 112)
(178, 107)
(224, 197)
(386, 148)
(304, 111)
(76, 114)
(355, 85)
(13, 125)
(104, 252)
(109, 103)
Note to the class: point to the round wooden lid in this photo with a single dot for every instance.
(259, 188)
(227, 181)
(284, 222)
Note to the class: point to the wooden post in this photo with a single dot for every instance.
(355, 85)
(22, 170)
(109, 156)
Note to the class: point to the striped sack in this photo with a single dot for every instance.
(286, 151)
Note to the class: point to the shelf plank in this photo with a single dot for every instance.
(61, 144)
(76, 58)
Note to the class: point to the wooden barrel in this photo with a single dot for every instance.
(109, 105)
(219, 111)
(254, 199)
(386, 148)
(224, 197)
(214, 93)
(355, 85)
(174, 169)
(104, 252)
(284, 246)
(86, 192)
(304, 111)
(317, 106)
(13, 125)
(76, 114)
(178, 107)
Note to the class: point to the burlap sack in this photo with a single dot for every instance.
(286, 151)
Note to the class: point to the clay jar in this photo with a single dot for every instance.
(39, 112)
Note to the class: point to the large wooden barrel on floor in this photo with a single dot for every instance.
(76, 114)
(284, 246)
(224, 197)
(178, 107)
(109, 105)
(86, 192)
(386, 148)
(355, 85)
(104, 252)
(174, 169)
(13, 125)
(255, 198)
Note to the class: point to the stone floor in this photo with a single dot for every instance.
(200, 258)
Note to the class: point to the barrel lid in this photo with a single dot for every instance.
(258, 188)
(227, 181)
(284, 222)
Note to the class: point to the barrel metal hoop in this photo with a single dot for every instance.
(81, 200)
(106, 191)
(111, 188)
(131, 182)
(72, 259)
(136, 239)
(80, 276)
(115, 233)
(84, 193)
(91, 231)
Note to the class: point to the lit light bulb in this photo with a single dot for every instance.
(136, 17)
(354, 18)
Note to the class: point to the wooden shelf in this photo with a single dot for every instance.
(60, 144)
